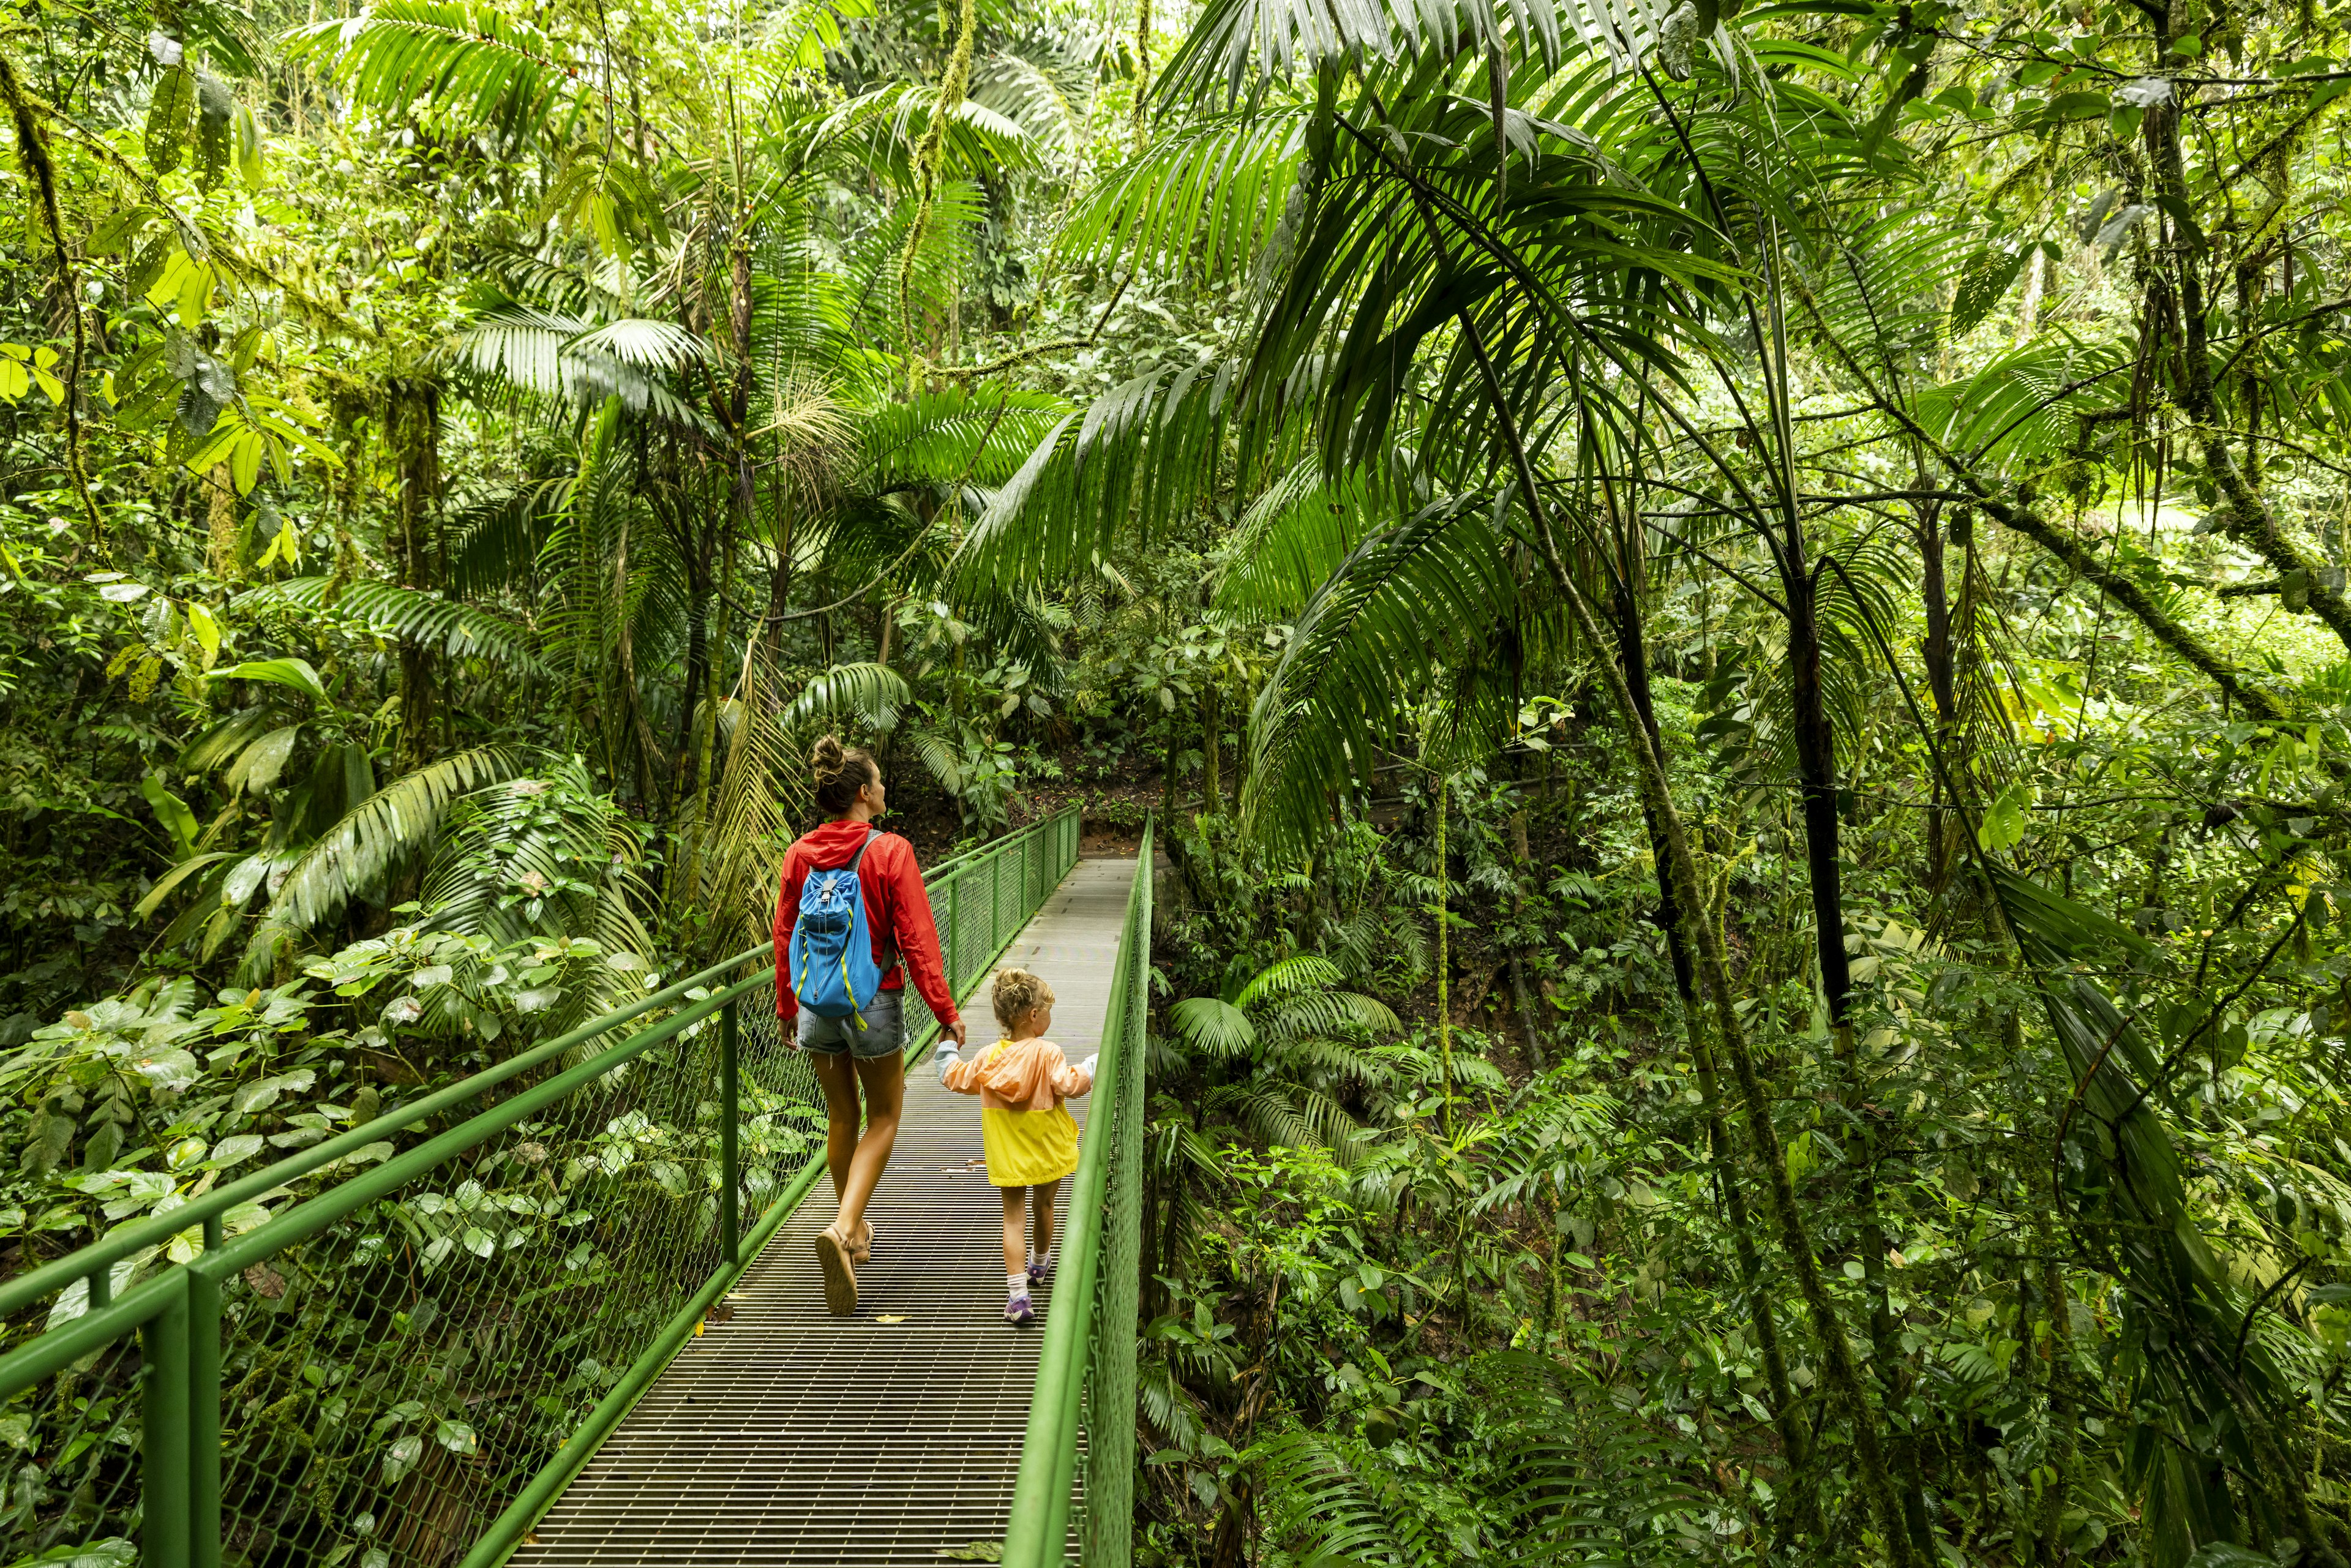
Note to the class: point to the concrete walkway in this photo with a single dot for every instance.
(784, 1435)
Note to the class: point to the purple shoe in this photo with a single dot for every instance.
(1040, 1273)
(1018, 1312)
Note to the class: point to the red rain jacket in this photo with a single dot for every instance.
(896, 910)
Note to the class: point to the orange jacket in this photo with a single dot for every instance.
(1024, 1075)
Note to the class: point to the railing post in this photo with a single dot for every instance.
(730, 1220)
(203, 1408)
(954, 943)
(164, 1526)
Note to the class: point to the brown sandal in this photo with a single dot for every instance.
(840, 1274)
(862, 1252)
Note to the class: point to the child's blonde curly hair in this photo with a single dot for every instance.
(1016, 992)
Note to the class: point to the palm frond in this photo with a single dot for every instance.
(510, 868)
(879, 129)
(1147, 447)
(465, 58)
(1212, 1026)
(575, 363)
(957, 435)
(458, 631)
(1327, 1013)
(1329, 1500)
(2027, 404)
(1048, 94)
(355, 856)
(875, 693)
(494, 545)
(1205, 199)
(1290, 539)
(1301, 974)
(1369, 645)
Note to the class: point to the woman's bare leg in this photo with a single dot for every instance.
(841, 1116)
(883, 1079)
(1016, 1222)
(1045, 1192)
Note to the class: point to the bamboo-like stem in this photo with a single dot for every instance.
(928, 156)
(1795, 1237)
(1795, 1442)
(1444, 965)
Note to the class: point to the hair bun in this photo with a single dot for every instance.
(827, 760)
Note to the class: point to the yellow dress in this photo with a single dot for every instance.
(1028, 1133)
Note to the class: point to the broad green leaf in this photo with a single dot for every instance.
(1987, 277)
(294, 674)
(172, 812)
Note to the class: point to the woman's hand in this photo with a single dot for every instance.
(956, 1029)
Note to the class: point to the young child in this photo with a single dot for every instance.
(1032, 1141)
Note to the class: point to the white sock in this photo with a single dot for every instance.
(1016, 1284)
(1044, 1258)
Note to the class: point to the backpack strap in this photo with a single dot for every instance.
(889, 955)
(872, 833)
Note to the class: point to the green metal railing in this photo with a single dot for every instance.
(1085, 1370)
(406, 1364)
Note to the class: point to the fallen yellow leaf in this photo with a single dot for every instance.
(888, 1317)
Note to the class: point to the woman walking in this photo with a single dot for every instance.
(852, 921)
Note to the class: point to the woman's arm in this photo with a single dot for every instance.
(788, 911)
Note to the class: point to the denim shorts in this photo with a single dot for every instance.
(884, 1033)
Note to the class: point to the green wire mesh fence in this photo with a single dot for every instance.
(391, 1349)
(1084, 1413)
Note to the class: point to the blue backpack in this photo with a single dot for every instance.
(834, 972)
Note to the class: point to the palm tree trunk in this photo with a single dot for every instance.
(1795, 1236)
(1817, 792)
(2060, 1394)
(1445, 969)
(1632, 652)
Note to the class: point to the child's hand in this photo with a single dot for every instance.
(1087, 1066)
(945, 1059)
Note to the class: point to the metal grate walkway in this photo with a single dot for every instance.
(785, 1436)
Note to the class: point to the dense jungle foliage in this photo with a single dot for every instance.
(1736, 616)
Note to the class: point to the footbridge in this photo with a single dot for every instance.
(567, 1311)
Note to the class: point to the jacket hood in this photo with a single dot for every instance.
(834, 844)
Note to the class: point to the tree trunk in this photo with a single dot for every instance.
(2062, 1419)
(1168, 781)
(1212, 784)
(2244, 514)
(1942, 685)
(1816, 782)
(220, 523)
(413, 425)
